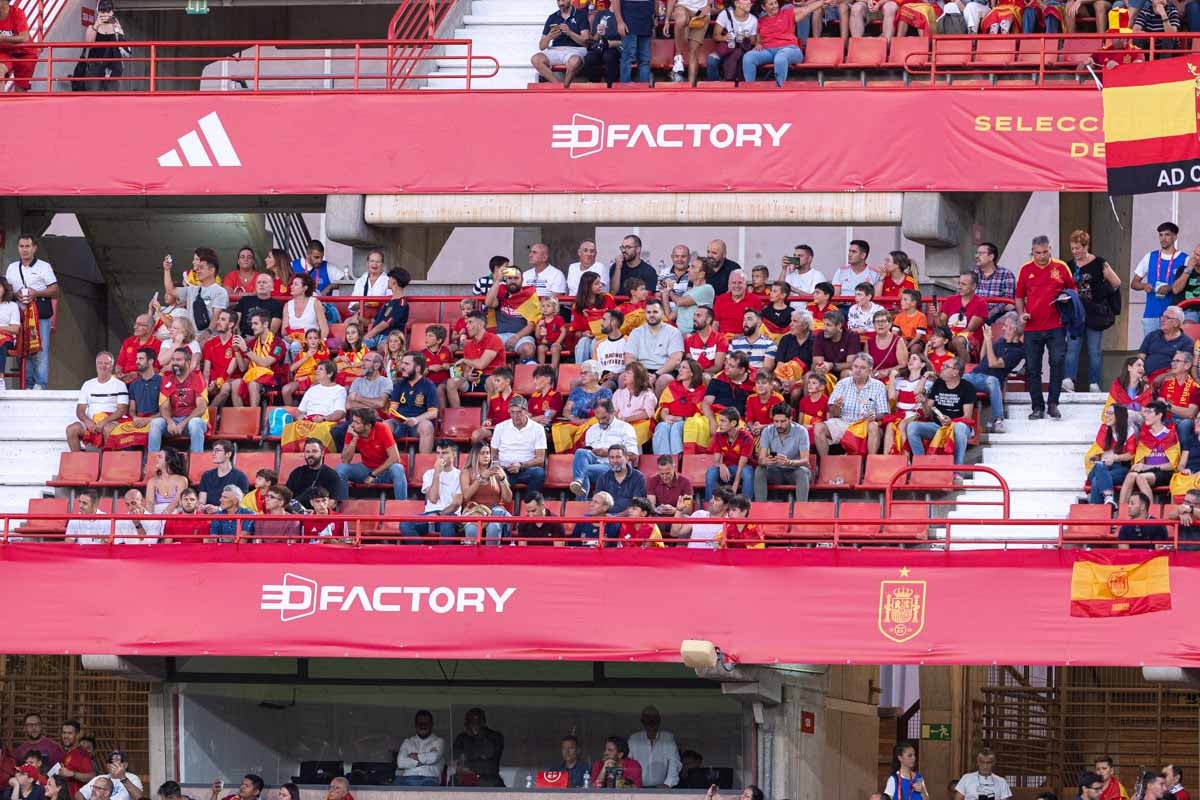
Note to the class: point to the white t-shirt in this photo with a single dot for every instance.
(973, 785)
(550, 281)
(848, 279)
(575, 275)
(862, 320)
(323, 400)
(804, 284)
(449, 484)
(376, 288)
(103, 398)
(167, 348)
(704, 537)
(611, 354)
(745, 27)
(119, 791)
(39, 274)
(517, 445)
(692, 5)
(10, 313)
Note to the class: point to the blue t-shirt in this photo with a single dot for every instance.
(320, 274)
(1010, 353)
(414, 399)
(582, 403)
(144, 394)
(395, 314)
(624, 491)
(1159, 351)
(639, 16)
(577, 22)
(604, 26)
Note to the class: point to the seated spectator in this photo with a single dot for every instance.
(705, 344)
(814, 404)
(18, 63)
(906, 390)
(836, 347)
(550, 331)
(37, 761)
(375, 282)
(229, 503)
(565, 36)
(760, 277)
(534, 523)
(735, 446)
(250, 788)
(609, 350)
(1182, 396)
(267, 367)
(186, 523)
(58, 788)
(322, 413)
(592, 305)
(587, 263)
(438, 359)
(823, 294)
(256, 499)
(965, 314)
(598, 507)
(168, 477)
(783, 455)
(545, 403)
(863, 12)
(886, 346)
(392, 348)
(277, 503)
(635, 402)
(860, 319)
(372, 441)
(657, 345)
(616, 748)
(696, 293)
(1138, 527)
(394, 314)
(206, 269)
(951, 403)
(223, 358)
(496, 409)
(858, 398)
(458, 331)
(414, 400)
(423, 755)
(520, 446)
(668, 489)
(578, 409)
(759, 348)
(742, 535)
(623, 483)
(794, 356)
(103, 402)
(938, 350)
(1157, 455)
(441, 486)
(997, 361)
(184, 406)
(590, 460)
(240, 280)
(897, 273)
(303, 369)
(911, 321)
(1188, 514)
(76, 766)
(799, 273)
(517, 309)
(477, 751)
(125, 785)
(1131, 389)
(485, 488)
(573, 764)
(484, 282)
(759, 404)
(315, 474)
(634, 308)
(127, 367)
(171, 790)
(638, 533)
(730, 308)
(370, 391)
(1157, 16)
(731, 389)
(183, 334)
(222, 474)
(351, 358)
(302, 313)
(777, 44)
(261, 299)
(1110, 455)
(483, 354)
(317, 527)
(631, 264)
(314, 266)
(81, 529)
(544, 277)
(1160, 346)
(777, 313)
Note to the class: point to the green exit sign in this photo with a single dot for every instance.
(935, 732)
(197, 6)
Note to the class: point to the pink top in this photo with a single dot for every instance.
(778, 30)
(625, 404)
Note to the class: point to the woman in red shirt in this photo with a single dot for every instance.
(777, 44)
(680, 422)
(897, 273)
(588, 311)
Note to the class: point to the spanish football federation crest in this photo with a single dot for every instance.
(901, 608)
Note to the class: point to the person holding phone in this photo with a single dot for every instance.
(564, 42)
(104, 65)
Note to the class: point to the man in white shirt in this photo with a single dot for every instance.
(610, 347)
(88, 531)
(441, 486)
(546, 278)
(125, 785)
(103, 400)
(799, 273)
(586, 263)
(591, 460)
(325, 398)
(137, 531)
(655, 750)
(421, 757)
(704, 535)
(33, 280)
(983, 784)
(519, 445)
(657, 345)
(856, 270)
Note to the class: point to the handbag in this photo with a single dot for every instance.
(200, 313)
(79, 73)
(45, 305)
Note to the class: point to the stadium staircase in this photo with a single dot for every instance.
(505, 29)
(31, 440)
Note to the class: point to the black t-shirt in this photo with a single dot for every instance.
(549, 529)
(642, 270)
(1144, 532)
(1094, 292)
(779, 317)
(725, 393)
(577, 22)
(212, 484)
(604, 26)
(952, 401)
(1010, 352)
(719, 280)
(251, 303)
(790, 349)
(303, 480)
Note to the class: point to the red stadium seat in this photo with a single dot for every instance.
(76, 469)
(558, 470)
(1088, 513)
(198, 464)
(422, 463)
(864, 512)
(648, 464)
(459, 423)
(695, 466)
(1029, 51)
(1076, 51)
(1192, 329)
(369, 528)
(566, 374)
(839, 472)
(1000, 51)
(662, 53)
(906, 531)
(238, 424)
(951, 52)
(780, 511)
(121, 469)
(822, 53)
(903, 47)
(865, 53)
(416, 332)
(337, 335)
(420, 312)
(250, 462)
(574, 508)
(880, 470)
(803, 526)
(941, 480)
(287, 463)
(394, 507)
(523, 379)
(46, 505)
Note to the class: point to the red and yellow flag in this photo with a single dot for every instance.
(1101, 588)
(1150, 132)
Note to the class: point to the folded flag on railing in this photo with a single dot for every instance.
(1102, 586)
(1150, 132)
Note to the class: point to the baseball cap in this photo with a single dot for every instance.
(29, 770)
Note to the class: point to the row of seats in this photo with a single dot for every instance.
(1096, 522)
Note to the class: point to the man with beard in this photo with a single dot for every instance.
(516, 309)
(313, 474)
(610, 349)
(730, 389)
(183, 407)
(76, 766)
(657, 345)
(421, 756)
(631, 265)
(757, 346)
(267, 368)
(415, 403)
(223, 363)
(705, 344)
(835, 348)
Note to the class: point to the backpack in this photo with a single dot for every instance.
(200, 313)
(277, 418)
(951, 24)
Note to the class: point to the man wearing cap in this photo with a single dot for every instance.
(125, 785)
(25, 782)
(520, 446)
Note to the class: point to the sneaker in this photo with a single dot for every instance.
(1037, 413)
(576, 488)
(1094, 388)
(677, 69)
(37, 387)
(997, 425)
(1068, 385)
(1111, 500)
(1053, 412)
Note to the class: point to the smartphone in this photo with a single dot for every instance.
(795, 262)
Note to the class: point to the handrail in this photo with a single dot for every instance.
(900, 481)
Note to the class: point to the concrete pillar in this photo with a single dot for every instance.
(563, 241)
(951, 225)
(413, 247)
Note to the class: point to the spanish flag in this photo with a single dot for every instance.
(1103, 585)
(297, 432)
(854, 440)
(1150, 133)
(523, 302)
(1160, 451)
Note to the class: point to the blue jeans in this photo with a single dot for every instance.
(493, 532)
(668, 439)
(1029, 21)
(637, 46)
(583, 349)
(712, 479)
(37, 371)
(1093, 351)
(991, 385)
(416, 780)
(4, 351)
(1036, 345)
(1104, 478)
(804, 30)
(195, 429)
(586, 467)
(416, 530)
(780, 57)
(1150, 325)
(1191, 14)
(357, 473)
(1185, 429)
(918, 432)
(533, 477)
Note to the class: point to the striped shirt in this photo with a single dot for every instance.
(1148, 19)
(482, 284)
(1001, 283)
(761, 348)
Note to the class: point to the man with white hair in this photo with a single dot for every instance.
(546, 279)
(855, 398)
(587, 263)
(591, 460)
(996, 362)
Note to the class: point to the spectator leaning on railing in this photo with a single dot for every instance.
(104, 67)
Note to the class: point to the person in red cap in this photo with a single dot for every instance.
(26, 784)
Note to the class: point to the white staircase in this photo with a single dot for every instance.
(32, 426)
(507, 30)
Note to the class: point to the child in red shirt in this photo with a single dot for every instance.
(546, 403)
(760, 278)
(438, 359)
(550, 331)
(759, 404)
(458, 331)
(741, 535)
(640, 534)
(496, 410)
(822, 295)
(634, 309)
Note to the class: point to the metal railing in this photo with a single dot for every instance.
(415, 22)
(41, 15)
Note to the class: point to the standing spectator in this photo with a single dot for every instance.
(223, 358)
(222, 474)
(375, 282)
(783, 455)
(655, 750)
(861, 314)
(1187, 280)
(587, 263)
(982, 783)
(441, 486)
(261, 298)
(730, 308)
(635, 23)
(315, 474)
(545, 278)
(75, 768)
(759, 348)
(735, 446)
(563, 44)
(103, 401)
(993, 280)
(105, 65)
(696, 294)
(414, 399)
(736, 33)
(241, 281)
(1039, 282)
(1112, 789)
(856, 270)
(657, 345)
(183, 409)
(1173, 775)
(1160, 345)
(394, 314)
(422, 756)
(36, 741)
(590, 460)
(720, 267)
(477, 751)
(999, 358)
(1155, 273)
(211, 294)
(690, 19)
(520, 446)
(951, 401)
(798, 270)
(30, 277)
(372, 441)
(965, 314)
(484, 282)
(630, 265)
(855, 398)
(125, 785)
(315, 266)
(675, 277)
(1099, 287)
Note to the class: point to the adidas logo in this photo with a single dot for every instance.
(212, 132)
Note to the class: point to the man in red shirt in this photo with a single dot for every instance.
(483, 353)
(616, 749)
(36, 742)
(964, 314)
(187, 524)
(16, 61)
(223, 361)
(76, 766)
(705, 344)
(735, 446)
(372, 441)
(182, 404)
(127, 357)
(1112, 790)
(1173, 777)
(1182, 396)
(1038, 284)
(730, 308)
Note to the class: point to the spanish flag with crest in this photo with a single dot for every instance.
(1108, 583)
(1150, 132)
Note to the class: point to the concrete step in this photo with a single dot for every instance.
(1067, 398)
(504, 8)
(29, 461)
(524, 35)
(526, 20)
(14, 497)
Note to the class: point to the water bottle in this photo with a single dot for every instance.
(662, 267)
(587, 779)
(529, 781)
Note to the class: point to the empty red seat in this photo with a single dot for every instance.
(951, 52)
(523, 379)
(250, 462)
(932, 479)
(824, 52)
(407, 507)
(566, 374)
(780, 511)
(816, 521)
(662, 53)
(1085, 513)
(903, 47)
(76, 469)
(995, 51)
(558, 470)
(695, 467)
(1076, 51)
(880, 470)
(868, 513)
(198, 464)
(238, 424)
(459, 423)
(865, 53)
(894, 528)
(839, 472)
(46, 505)
(121, 469)
(420, 312)
(1033, 51)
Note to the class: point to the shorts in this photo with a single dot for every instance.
(837, 428)
(402, 430)
(478, 385)
(1162, 477)
(508, 338)
(695, 33)
(558, 57)
(21, 65)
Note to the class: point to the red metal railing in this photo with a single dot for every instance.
(416, 22)
(41, 15)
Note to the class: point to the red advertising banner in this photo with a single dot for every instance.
(750, 140)
(820, 606)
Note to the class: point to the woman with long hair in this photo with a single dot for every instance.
(279, 265)
(288, 791)
(393, 349)
(349, 360)
(239, 281)
(680, 421)
(897, 273)
(56, 788)
(904, 783)
(169, 479)
(1131, 389)
(938, 351)
(1107, 460)
(569, 435)
(635, 402)
(906, 391)
(302, 313)
(485, 492)
(589, 308)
